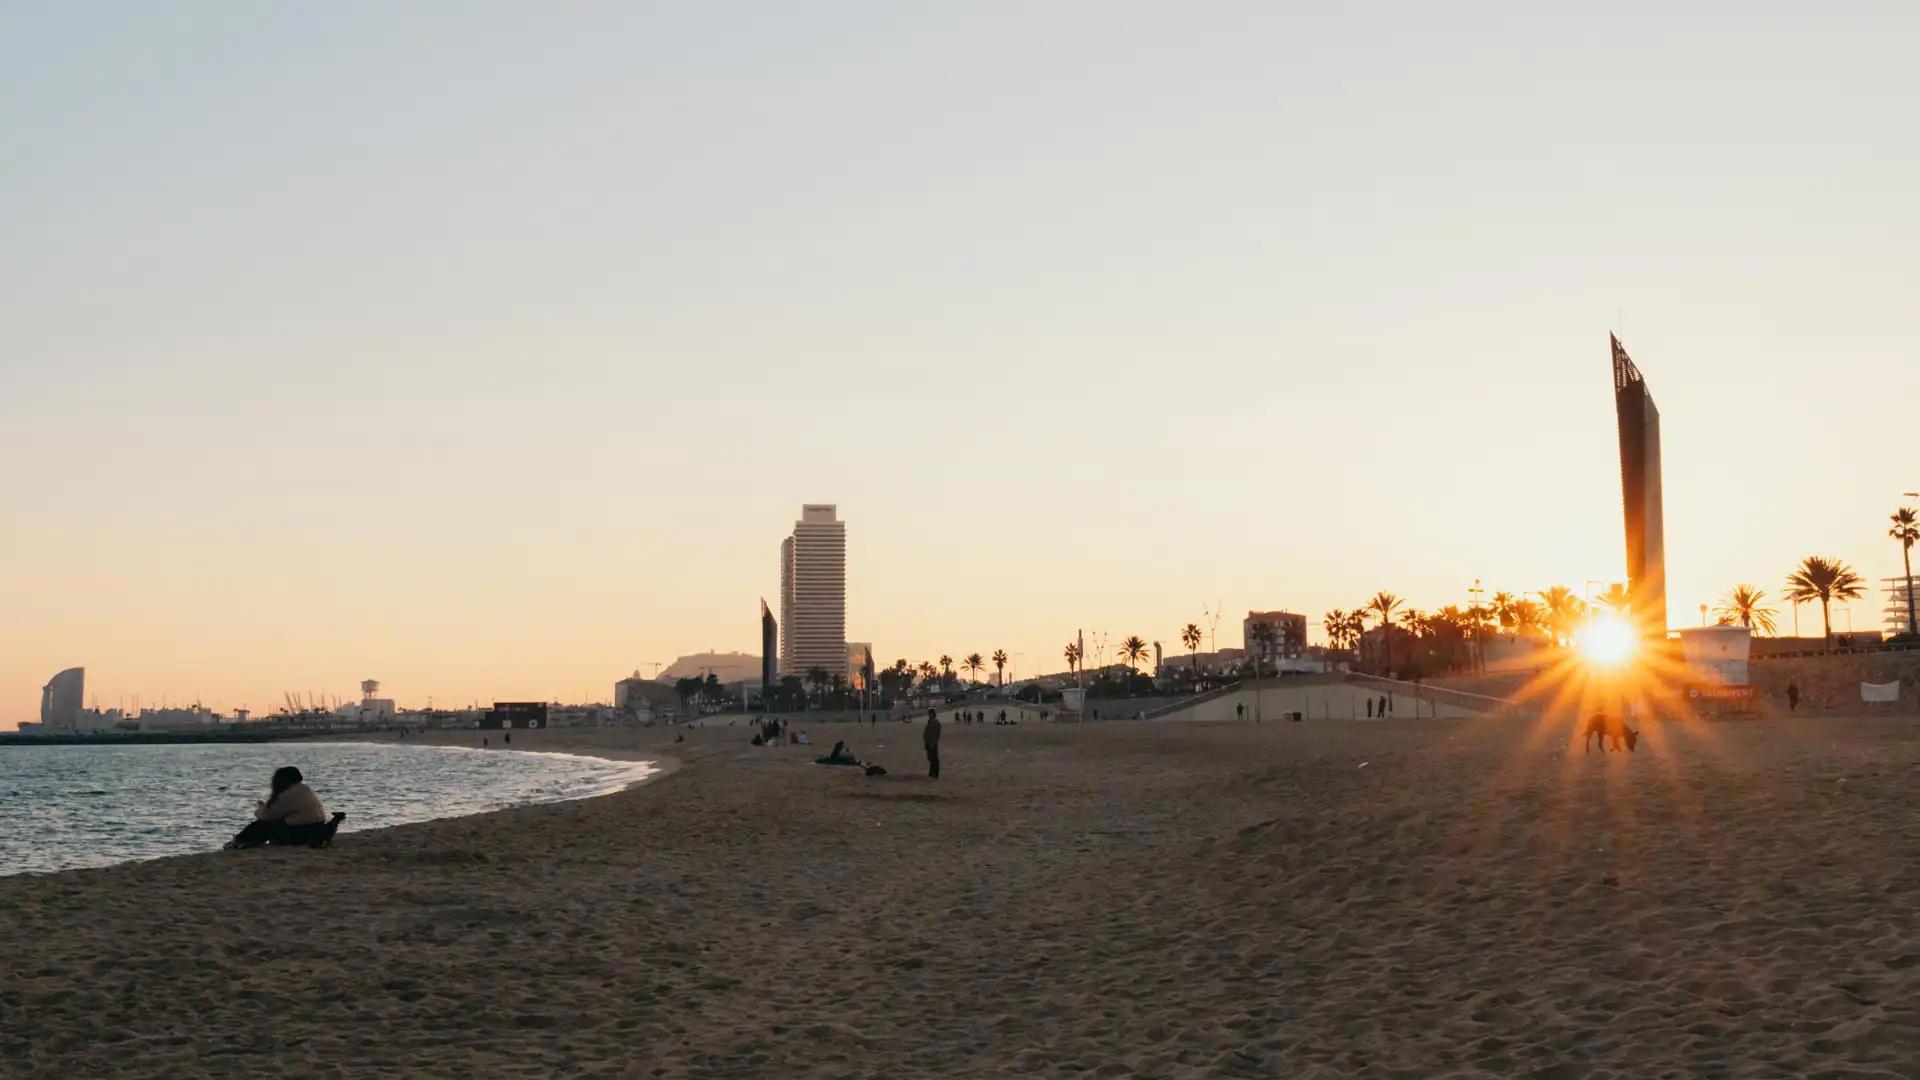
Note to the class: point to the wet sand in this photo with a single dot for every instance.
(1397, 899)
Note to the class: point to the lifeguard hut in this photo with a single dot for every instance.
(1715, 659)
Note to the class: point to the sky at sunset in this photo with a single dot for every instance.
(491, 350)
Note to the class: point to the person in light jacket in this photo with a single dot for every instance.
(290, 814)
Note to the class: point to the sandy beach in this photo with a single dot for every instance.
(1434, 898)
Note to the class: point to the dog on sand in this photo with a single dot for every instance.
(1603, 728)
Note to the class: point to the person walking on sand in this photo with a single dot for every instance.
(931, 736)
(1793, 697)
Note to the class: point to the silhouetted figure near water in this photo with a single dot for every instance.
(290, 814)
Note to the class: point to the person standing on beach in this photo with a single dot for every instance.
(931, 736)
(1793, 697)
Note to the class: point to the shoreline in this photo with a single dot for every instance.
(663, 765)
(659, 767)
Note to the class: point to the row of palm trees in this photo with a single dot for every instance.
(1132, 652)
(972, 664)
(1822, 579)
(1556, 613)
(1817, 578)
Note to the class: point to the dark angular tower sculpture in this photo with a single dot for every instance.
(1640, 488)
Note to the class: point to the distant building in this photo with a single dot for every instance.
(769, 646)
(813, 593)
(193, 719)
(1221, 662)
(859, 656)
(1896, 610)
(373, 708)
(1289, 635)
(62, 700)
(516, 714)
(729, 667)
(642, 698)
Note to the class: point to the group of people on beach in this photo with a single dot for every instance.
(970, 716)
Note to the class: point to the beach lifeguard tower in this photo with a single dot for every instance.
(1715, 662)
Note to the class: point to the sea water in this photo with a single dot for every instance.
(63, 807)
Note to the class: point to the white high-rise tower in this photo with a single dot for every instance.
(813, 593)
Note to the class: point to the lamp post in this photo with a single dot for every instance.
(1479, 654)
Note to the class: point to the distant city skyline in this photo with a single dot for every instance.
(349, 342)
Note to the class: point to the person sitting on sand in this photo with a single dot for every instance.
(840, 755)
(291, 814)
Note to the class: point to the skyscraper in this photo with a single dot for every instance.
(813, 593)
(62, 699)
(1640, 489)
(786, 607)
(769, 645)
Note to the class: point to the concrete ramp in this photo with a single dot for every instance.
(1362, 698)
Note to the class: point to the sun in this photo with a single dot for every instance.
(1608, 641)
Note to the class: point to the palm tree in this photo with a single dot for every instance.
(1072, 653)
(946, 666)
(1527, 615)
(1190, 637)
(1742, 605)
(1000, 666)
(973, 665)
(1384, 604)
(1262, 634)
(1906, 529)
(1335, 624)
(1503, 609)
(817, 678)
(1616, 598)
(1563, 612)
(1825, 580)
(1133, 651)
(1291, 638)
(927, 671)
(1477, 619)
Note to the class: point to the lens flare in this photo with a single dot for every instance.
(1607, 641)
